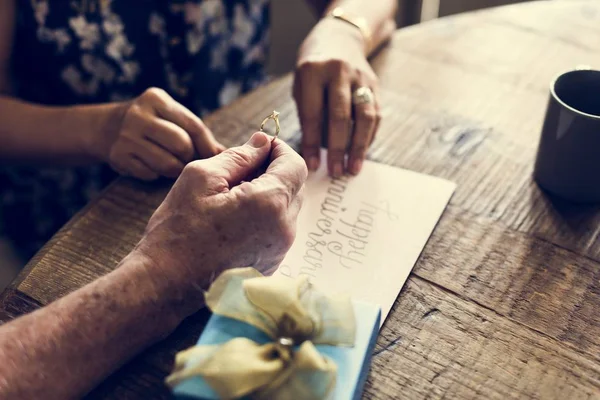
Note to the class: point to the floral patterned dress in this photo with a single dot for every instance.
(204, 53)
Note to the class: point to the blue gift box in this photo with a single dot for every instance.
(352, 362)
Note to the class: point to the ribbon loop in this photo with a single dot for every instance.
(291, 312)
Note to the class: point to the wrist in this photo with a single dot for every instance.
(342, 30)
(171, 298)
(104, 124)
(173, 276)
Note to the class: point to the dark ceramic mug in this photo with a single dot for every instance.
(568, 158)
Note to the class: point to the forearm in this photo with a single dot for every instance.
(379, 15)
(63, 350)
(37, 134)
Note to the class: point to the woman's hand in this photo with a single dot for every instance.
(154, 136)
(331, 66)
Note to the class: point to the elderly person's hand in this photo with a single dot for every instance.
(331, 67)
(222, 212)
(153, 135)
(217, 217)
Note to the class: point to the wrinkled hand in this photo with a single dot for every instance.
(217, 217)
(155, 136)
(331, 66)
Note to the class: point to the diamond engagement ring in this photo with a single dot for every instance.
(363, 95)
(275, 117)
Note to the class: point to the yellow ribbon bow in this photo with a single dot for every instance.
(288, 311)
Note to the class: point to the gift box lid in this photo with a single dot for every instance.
(353, 363)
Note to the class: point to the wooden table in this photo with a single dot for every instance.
(504, 301)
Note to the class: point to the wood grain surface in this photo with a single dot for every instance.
(503, 302)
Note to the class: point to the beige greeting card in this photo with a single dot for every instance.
(362, 235)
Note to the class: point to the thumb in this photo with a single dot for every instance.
(237, 163)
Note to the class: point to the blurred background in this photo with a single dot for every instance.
(291, 21)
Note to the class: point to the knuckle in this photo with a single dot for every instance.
(153, 95)
(277, 203)
(196, 169)
(363, 76)
(154, 92)
(369, 114)
(201, 176)
(279, 200)
(301, 195)
(285, 231)
(338, 65)
(133, 114)
(340, 108)
(237, 156)
(248, 199)
(265, 205)
(183, 149)
(308, 67)
(339, 114)
(272, 207)
(279, 206)
(287, 234)
(303, 172)
(371, 78)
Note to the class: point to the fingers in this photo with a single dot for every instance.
(202, 138)
(365, 124)
(170, 137)
(159, 160)
(332, 77)
(287, 166)
(378, 120)
(275, 197)
(340, 113)
(236, 164)
(204, 141)
(135, 167)
(161, 134)
(286, 172)
(309, 98)
(220, 148)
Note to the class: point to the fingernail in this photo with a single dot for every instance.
(313, 163)
(356, 167)
(337, 170)
(258, 140)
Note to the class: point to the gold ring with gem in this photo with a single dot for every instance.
(275, 117)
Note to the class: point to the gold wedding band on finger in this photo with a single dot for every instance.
(363, 95)
(275, 117)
